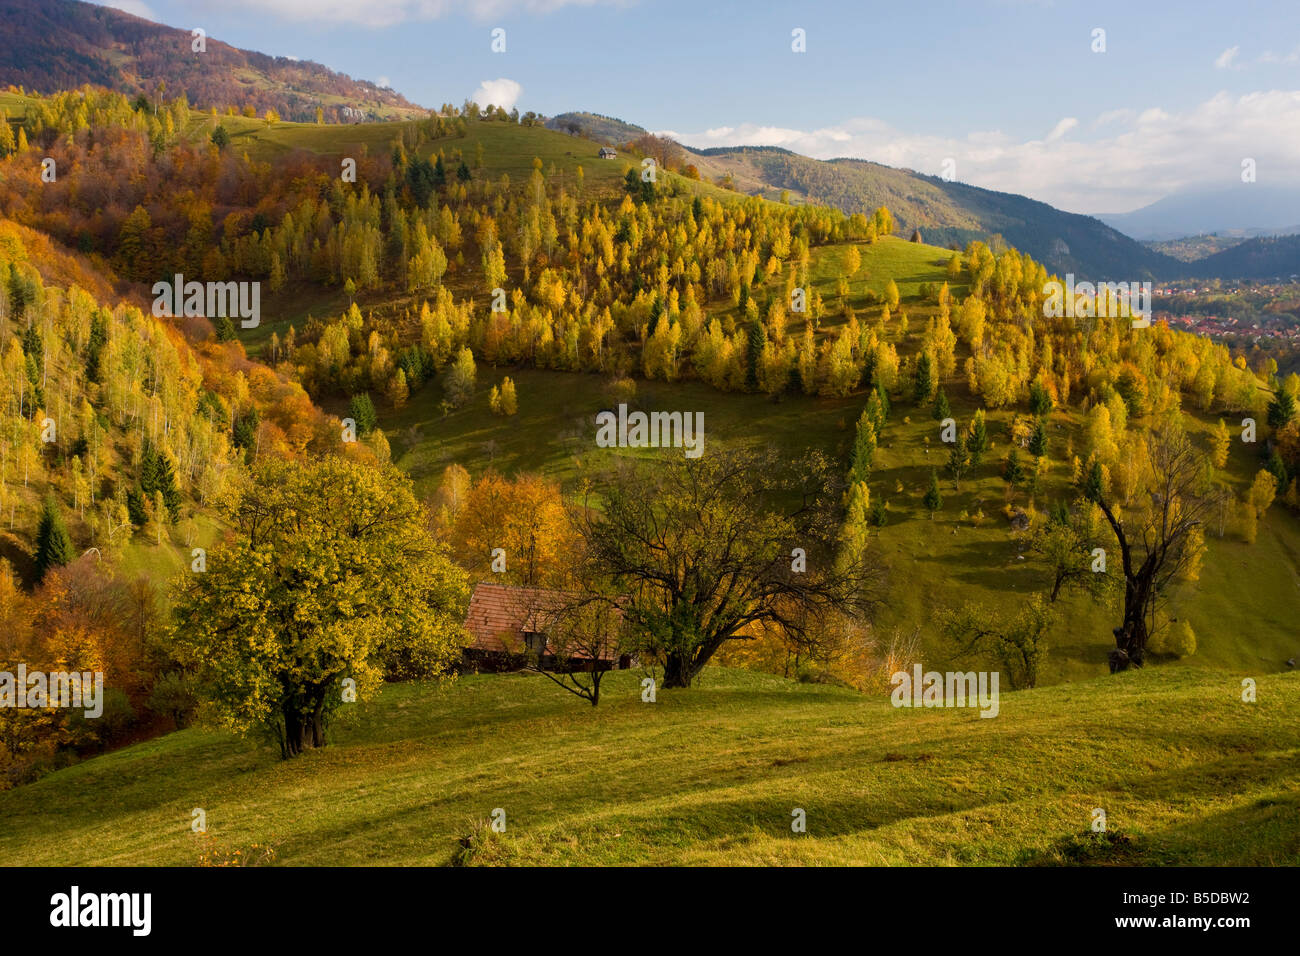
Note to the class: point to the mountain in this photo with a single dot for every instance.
(946, 213)
(1265, 257)
(62, 44)
(594, 126)
(1248, 209)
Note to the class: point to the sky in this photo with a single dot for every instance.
(1023, 96)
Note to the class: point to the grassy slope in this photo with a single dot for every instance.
(707, 776)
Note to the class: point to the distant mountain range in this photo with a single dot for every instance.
(53, 45)
(1244, 209)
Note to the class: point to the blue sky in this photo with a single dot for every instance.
(1010, 90)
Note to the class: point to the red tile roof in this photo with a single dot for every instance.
(500, 614)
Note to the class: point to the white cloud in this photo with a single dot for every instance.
(1127, 158)
(1268, 56)
(386, 13)
(136, 7)
(1224, 59)
(383, 83)
(501, 92)
(1061, 128)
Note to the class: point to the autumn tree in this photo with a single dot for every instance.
(1066, 542)
(524, 517)
(1016, 639)
(459, 380)
(707, 548)
(330, 576)
(1159, 536)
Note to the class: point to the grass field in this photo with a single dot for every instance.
(1186, 773)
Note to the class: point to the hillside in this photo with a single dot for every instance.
(708, 776)
(604, 129)
(52, 45)
(1191, 248)
(946, 213)
(1264, 257)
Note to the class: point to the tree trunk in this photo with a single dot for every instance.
(303, 731)
(1131, 636)
(677, 671)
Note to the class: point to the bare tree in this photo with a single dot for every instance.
(581, 639)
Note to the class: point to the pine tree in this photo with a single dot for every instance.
(941, 408)
(1281, 409)
(1040, 399)
(979, 438)
(933, 500)
(1038, 440)
(361, 409)
(1012, 471)
(924, 383)
(53, 545)
(959, 459)
(878, 512)
(864, 448)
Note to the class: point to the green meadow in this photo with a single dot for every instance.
(1186, 773)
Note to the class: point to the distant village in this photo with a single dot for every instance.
(1251, 324)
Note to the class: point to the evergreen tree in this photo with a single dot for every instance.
(958, 459)
(1281, 409)
(225, 329)
(361, 409)
(1277, 468)
(864, 448)
(924, 382)
(1012, 471)
(1038, 440)
(53, 545)
(941, 408)
(933, 500)
(754, 355)
(878, 511)
(1040, 400)
(979, 438)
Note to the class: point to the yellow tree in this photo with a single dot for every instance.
(331, 576)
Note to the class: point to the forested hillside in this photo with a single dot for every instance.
(53, 45)
(948, 212)
(437, 281)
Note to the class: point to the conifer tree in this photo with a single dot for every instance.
(53, 545)
(933, 500)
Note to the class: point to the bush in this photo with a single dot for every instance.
(1177, 640)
